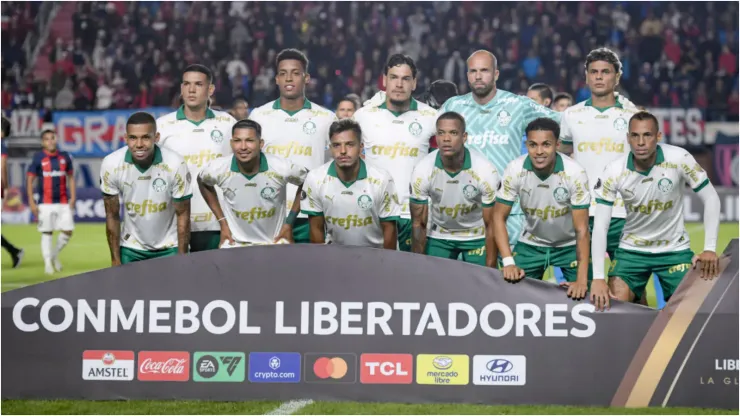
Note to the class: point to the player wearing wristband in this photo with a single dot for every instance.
(651, 179)
(154, 186)
(456, 188)
(553, 192)
(355, 202)
(254, 187)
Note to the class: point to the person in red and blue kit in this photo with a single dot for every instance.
(56, 198)
(16, 254)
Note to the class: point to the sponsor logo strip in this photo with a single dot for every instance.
(443, 369)
(330, 368)
(274, 367)
(386, 368)
(218, 367)
(108, 365)
(164, 366)
(500, 370)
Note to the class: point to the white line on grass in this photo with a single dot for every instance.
(289, 408)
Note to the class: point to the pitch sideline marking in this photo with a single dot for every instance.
(290, 407)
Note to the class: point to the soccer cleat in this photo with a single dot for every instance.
(48, 268)
(17, 258)
(57, 264)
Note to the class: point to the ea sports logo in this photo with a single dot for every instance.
(335, 368)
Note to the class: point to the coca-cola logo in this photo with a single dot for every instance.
(164, 366)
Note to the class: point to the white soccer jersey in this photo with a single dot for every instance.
(547, 203)
(198, 143)
(254, 207)
(457, 200)
(148, 196)
(654, 199)
(301, 136)
(396, 142)
(352, 211)
(598, 137)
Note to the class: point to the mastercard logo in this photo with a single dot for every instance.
(325, 367)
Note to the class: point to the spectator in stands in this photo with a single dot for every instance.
(561, 101)
(346, 108)
(240, 109)
(540, 93)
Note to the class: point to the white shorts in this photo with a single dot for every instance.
(55, 217)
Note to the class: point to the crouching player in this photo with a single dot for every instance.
(553, 192)
(254, 188)
(154, 185)
(651, 180)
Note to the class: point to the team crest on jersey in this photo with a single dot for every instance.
(560, 194)
(364, 201)
(269, 193)
(159, 185)
(217, 136)
(665, 185)
(309, 127)
(620, 124)
(504, 118)
(470, 191)
(415, 128)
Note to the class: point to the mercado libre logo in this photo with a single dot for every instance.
(444, 369)
(330, 367)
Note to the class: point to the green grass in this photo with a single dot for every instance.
(88, 251)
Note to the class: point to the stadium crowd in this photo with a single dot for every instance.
(130, 54)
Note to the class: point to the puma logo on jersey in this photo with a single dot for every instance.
(351, 221)
(201, 158)
(654, 205)
(603, 145)
(549, 212)
(397, 150)
(146, 207)
(488, 138)
(254, 214)
(458, 209)
(290, 149)
(641, 242)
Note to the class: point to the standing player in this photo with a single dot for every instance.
(651, 179)
(396, 133)
(154, 185)
(458, 187)
(293, 127)
(57, 195)
(346, 108)
(496, 121)
(354, 201)
(198, 134)
(254, 188)
(16, 254)
(553, 192)
(562, 101)
(541, 94)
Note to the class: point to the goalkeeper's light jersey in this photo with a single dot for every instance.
(254, 206)
(148, 196)
(654, 199)
(352, 211)
(198, 143)
(598, 136)
(300, 136)
(496, 128)
(547, 202)
(396, 142)
(457, 200)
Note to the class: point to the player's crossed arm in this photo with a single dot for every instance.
(314, 208)
(419, 207)
(207, 180)
(295, 175)
(507, 194)
(182, 193)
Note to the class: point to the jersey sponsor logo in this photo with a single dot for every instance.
(201, 158)
(398, 149)
(549, 212)
(504, 118)
(561, 194)
(269, 193)
(351, 221)
(289, 149)
(604, 145)
(642, 242)
(488, 138)
(254, 214)
(146, 207)
(665, 185)
(159, 185)
(654, 205)
(470, 191)
(364, 201)
(309, 127)
(620, 124)
(217, 136)
(691, 172)
(53, 174)
(457, 210)
(415, 128)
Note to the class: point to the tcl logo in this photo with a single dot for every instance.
(386, 368)
(164, 366)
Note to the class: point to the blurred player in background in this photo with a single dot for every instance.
(455, 187)
(57, 195)
(199, 134)
(16, 254)
(154, 185)
(396, 133)
(438, 93)
(346, 108)
(356, 202)
(561, 101)
(496, 121)
(540, 93)
(651, 178)
(293, 127)
(240, 109)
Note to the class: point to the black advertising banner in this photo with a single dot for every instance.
(344, 323)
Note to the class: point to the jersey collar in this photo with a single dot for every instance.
(129, 158)
(467, 164)
(263, 166)
(590, 103)
(658, 160)
(362, 174)
(558, 165)
(414, 106)
(181, 115)
(306, 106)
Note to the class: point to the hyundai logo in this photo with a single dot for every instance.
(499, 365)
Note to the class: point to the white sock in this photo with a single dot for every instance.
(46, 246)
(62, 241)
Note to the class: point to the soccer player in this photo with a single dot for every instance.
(254, 187)
(541, 94)
(293, 127)
(553, 192)
(346, 108)
(458, 187)
(239, 109)
(496, 121)
(561, 101)
(396, 133)
(356, 202)
(154, 185)
(199, 134)
(16, 254)
(651, 179)
(57, 195)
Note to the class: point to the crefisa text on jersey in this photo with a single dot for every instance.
(315, 318)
